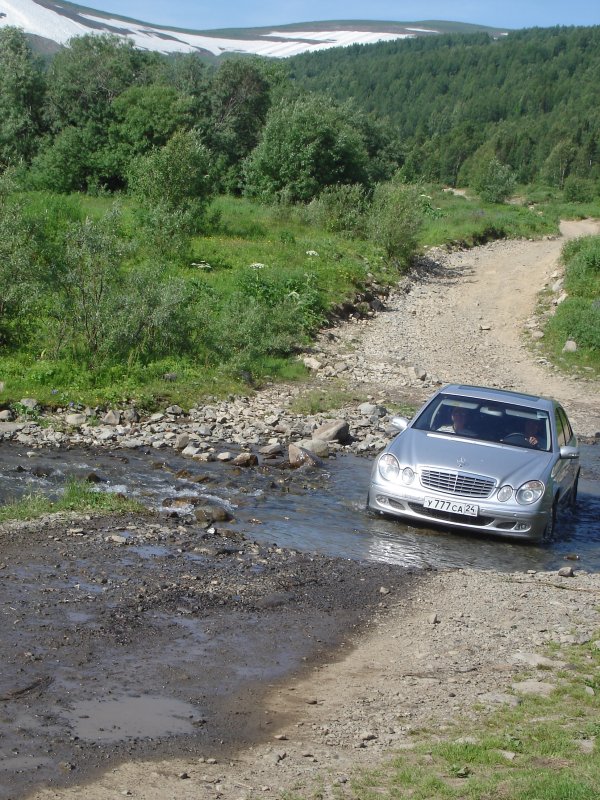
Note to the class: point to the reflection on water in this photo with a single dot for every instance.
(323, 510)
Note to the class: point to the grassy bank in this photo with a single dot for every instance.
(577, 318)
(217, 314)
(77, 496)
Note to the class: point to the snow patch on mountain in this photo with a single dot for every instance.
(60, 22)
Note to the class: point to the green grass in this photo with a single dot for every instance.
(77, 496)
(316, 401)
(319, 269)
(530, 752)
(467, 221)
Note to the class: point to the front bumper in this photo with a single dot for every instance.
(519, 522)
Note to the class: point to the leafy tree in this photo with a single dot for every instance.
(306, 145)
(176, 177)
(395, 219)
(494, 181)
(21, 98)
(65, 162)
(144, 117)
(239, 101)
(86, 77)
(557, 165)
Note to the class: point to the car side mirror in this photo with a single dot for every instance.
(399, 423)
(569, 452)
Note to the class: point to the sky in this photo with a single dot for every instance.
(208, 14)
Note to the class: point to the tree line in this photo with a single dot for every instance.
(437, 109)
(530, 99)
(94, 117)
(163, 135)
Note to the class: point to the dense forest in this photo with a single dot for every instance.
(531, 99)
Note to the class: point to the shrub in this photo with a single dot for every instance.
(176, 177)
(579, 190)
(395, 219)
(340, 209)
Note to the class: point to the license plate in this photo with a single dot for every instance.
(468, 509)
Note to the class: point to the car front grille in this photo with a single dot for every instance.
(459, 483)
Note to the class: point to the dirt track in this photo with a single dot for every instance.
(438, 647)
(465, 320)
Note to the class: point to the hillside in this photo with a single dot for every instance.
(51, 24)
(531, 98)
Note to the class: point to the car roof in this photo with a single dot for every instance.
(500, 395)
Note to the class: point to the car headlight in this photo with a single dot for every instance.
(408, 475)
(504, 494)
(530, 492)
(388, 466)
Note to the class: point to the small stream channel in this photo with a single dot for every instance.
(319, 510)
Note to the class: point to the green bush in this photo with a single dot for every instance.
(340, 209)
(176, 177)
(579, 190)
(306, 144)
(494, 182)
(395, 219)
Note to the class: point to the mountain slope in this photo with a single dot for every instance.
(55, 23)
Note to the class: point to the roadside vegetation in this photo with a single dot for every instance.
(545, 748)
(171, 230)
(577, 318)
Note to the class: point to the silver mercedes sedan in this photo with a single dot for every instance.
(480, 459)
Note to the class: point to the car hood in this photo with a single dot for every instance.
(504, 463)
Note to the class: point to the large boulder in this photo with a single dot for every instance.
(337, 430)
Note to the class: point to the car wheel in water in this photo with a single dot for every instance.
(573, 495)
(548, 535)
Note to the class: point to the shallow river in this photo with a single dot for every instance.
(319, 510)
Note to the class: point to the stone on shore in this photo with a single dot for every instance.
(337, 430)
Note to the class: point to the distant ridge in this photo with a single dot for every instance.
(50, 25)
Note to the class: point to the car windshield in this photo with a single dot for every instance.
(490, 421)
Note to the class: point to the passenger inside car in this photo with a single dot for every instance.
(459, 423)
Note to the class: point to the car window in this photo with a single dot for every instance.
(490, 421)
(565, 432)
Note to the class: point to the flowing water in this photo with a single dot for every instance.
(320, 510)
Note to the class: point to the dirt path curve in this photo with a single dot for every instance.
(468, 318)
